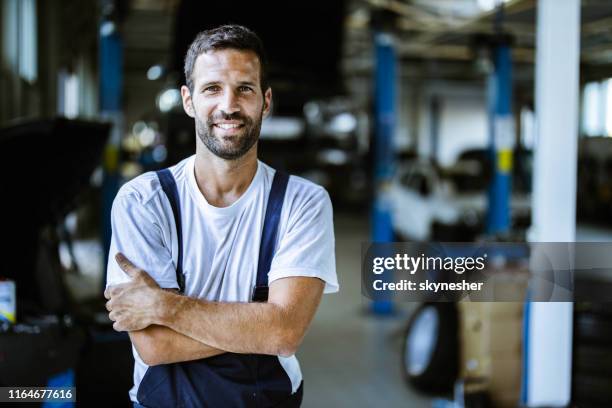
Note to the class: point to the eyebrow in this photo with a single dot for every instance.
(210, 83)
(204, 85)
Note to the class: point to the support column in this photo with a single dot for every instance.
(385, 117)
(111, 92)
(548, 348)
(502, 139)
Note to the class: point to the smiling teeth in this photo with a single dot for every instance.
(227, 126)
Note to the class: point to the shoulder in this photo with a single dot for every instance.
(305, 201)
(146, 187)
(140, 189)
(301, 191)
(307, 192)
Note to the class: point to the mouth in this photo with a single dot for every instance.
(229, 127)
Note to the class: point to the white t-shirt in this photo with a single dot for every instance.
(221, 245)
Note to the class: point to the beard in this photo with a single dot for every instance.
(229, 147)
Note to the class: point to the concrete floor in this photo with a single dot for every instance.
(350, 358)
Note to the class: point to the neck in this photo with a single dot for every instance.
(221, 181)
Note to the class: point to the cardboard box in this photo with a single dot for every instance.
(490, 336)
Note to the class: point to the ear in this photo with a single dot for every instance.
(267, 102)
(187, 101)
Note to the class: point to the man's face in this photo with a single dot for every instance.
(227, 102)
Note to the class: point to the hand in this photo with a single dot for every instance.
(132, 305)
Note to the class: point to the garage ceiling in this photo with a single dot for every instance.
(444, 29)
(430, 33)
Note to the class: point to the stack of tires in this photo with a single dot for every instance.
(592, 364)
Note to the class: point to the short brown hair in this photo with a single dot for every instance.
(226, 37)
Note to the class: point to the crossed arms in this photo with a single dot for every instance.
(166, 327)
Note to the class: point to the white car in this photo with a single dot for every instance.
(420, 196)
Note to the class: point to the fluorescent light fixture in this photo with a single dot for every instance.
(107, 28)
(169, 99)
(488, 5)
(343, 123)
(155, 72)
(282, 128)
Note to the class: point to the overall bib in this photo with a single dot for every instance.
(229, 379)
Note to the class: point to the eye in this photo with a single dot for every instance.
(212, 89)
(245, 88)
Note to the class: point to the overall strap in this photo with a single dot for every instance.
(268, 235)
(168, 185)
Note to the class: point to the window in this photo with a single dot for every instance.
(597, 108)
(68, 94)
(19, 33)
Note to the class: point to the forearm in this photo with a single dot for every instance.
(262, 328)
(162, 345)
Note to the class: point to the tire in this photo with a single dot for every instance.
(430, 348)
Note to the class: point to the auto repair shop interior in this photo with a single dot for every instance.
(425, 120)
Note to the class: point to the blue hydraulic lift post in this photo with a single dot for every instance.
(111, 87)
(501, 140)
(385, 118)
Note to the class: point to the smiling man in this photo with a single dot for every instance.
(218, 263)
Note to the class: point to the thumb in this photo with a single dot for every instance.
(128, 267)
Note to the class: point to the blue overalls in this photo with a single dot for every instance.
(229, 379)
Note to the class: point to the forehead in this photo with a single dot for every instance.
(228, 64)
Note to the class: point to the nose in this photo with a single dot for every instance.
(229, 103)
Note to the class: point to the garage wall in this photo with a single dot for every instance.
(463, 119)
